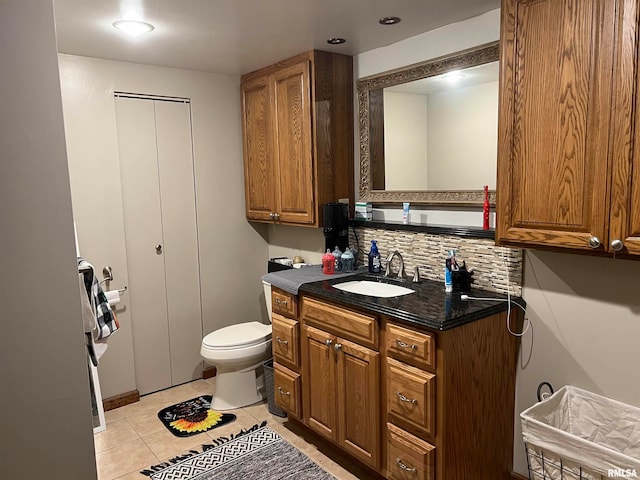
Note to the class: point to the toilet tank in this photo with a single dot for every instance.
(267, 297)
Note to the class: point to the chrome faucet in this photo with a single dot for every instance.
(387, 270)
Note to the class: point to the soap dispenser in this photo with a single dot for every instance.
(374, 258)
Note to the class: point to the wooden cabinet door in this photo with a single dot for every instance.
(358, 390)
(624, 220)
(293, 143)
(555, 112)
(319, 382)
(257, 137)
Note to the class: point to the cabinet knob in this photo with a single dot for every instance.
(272, 216)
(616, 245)
(328, 342)
(276, 216)
(158, 249)
(337, 346)
(282, 342)
(594, 242)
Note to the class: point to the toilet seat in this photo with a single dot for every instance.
(237, 336)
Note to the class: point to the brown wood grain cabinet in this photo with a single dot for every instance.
(406, 401)
(569, 150)
(297, 126)
(341, 393)
(285, 343)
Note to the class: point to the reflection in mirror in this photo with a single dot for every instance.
(428, 132)
(440, 133)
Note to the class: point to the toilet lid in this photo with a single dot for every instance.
(240, 335)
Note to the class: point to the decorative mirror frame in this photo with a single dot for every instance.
(467, 58)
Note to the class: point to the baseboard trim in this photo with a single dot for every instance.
(517, 476)
(208, 372)
(121, 400)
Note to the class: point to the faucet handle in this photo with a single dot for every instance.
(416, 274)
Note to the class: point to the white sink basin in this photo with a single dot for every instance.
(373, 289)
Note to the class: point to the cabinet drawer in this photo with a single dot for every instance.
(410, 346)
(285, 339)
(357, 327)
(286, 390)
(408, 457)
(284, 303)
(411, 397)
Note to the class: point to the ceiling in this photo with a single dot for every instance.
(239, 36)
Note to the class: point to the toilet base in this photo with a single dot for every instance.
(237, 389)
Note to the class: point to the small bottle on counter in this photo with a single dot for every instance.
(448, 267)
(338, 262)
(328, 263)
(374, 258)
(347, 261)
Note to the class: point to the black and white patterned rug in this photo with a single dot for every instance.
(256, 453)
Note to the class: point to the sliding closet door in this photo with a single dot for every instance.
(156, 168)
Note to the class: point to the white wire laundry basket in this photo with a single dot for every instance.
(579, 435)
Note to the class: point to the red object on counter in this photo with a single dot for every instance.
(328, 263)
(485, 209)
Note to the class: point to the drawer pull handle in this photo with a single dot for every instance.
(404, 467)
(405, 399)
(401, 344)
(282, 342)
(283, 302)
(282, 392)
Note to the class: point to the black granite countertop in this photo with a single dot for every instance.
(430, 306)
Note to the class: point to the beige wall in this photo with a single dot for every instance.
(44, 382)
(462, 149)
(405, 141)
(232, 253)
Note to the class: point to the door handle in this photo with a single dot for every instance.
(158, 249)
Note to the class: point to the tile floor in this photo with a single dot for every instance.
(135, 439)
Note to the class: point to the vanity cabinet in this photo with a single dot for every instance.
(450, 398)
(569, 151)
(297, 128)
(341, 389)
(408, 401)
(285, 344)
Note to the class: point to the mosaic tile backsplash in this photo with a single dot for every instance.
(496, 269)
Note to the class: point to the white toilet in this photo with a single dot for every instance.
(238, 352)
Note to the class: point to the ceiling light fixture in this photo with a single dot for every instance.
(133, 27)
(389, 20)
(336, 41)
(453, 77)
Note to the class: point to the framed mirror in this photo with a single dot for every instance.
(429, 131)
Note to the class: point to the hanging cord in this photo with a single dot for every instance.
(355, 234)
(509, 302)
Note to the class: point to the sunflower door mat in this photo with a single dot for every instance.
(193, 416)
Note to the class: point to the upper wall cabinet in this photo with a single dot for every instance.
(569, 136)
(297, 120)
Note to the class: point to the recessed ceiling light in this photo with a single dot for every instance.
(133, 27)
(336, 41)
(452, 77)
(389, 20)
